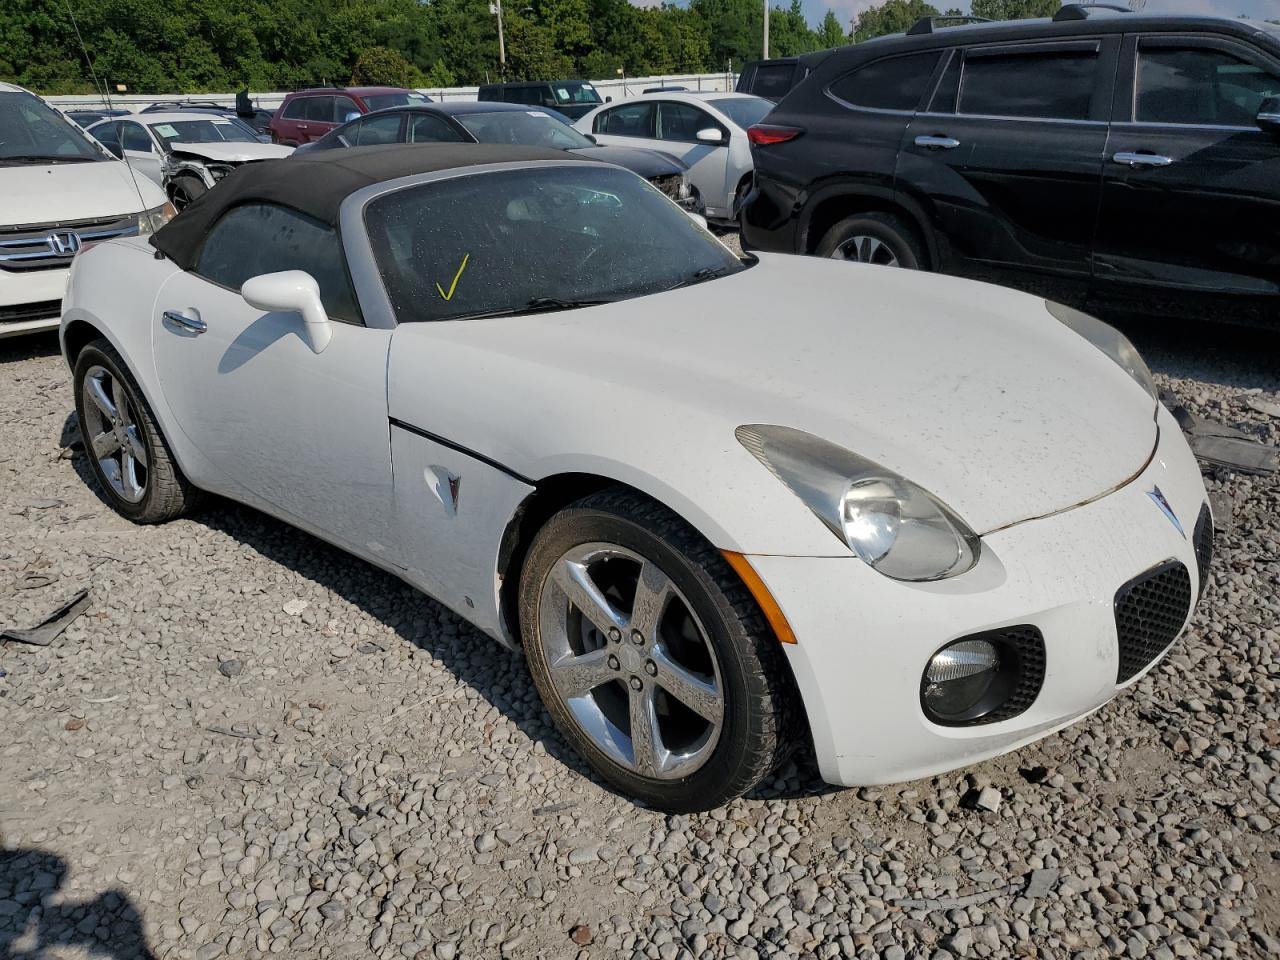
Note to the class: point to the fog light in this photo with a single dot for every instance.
(957, 679)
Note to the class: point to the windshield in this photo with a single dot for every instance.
(33, 132)
(575, 91)
(744, 111)
(501, 242)
(535, 128)
(213, 130)
(380, 101)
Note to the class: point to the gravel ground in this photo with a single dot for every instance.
(253, 744)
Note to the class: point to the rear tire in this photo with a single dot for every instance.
(707, 628)
(127, 452)
(880, 238)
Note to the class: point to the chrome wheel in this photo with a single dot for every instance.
(631, 661)
(112, 435)
(865, 249)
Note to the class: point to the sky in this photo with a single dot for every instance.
(846, 10)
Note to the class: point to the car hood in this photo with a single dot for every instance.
(234, 152)
(64, 192)
(973, 391)
(647, 163)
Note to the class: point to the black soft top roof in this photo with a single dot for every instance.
(317, 183)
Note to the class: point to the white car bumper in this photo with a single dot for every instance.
(21, 294)
(864, 640)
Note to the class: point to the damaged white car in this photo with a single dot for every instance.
(185, 153)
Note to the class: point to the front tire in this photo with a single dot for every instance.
(879, 238)
(126, 450)
(650, 655)
(187, 190)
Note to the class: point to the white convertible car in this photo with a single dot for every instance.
(725, 505)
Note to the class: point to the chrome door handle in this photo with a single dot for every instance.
(941, 143)
(187, 324)
(1142, 159)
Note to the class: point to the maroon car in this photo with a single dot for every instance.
(308, 115)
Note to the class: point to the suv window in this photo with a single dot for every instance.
(530, 95)
(628, 120)
(772, 80)
(895, 83)
(109, 136)
(296, 109)
(133, 137)
(682, 121)
(318, 108)
(1056, 85)
(380, 129)
(341, 107)
(1199, 85)
(259, 238)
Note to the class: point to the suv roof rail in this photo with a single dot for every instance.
(930, 24)
(1080, 11)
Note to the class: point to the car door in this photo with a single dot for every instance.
(431, 128)
(300, 433)
(315, 118)
(1007, 160)
(677, 134)
(292, 121)
(1191, 195)
(140, 151)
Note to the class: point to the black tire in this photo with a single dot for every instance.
(167, 492)
(187, 190)
(891, 230)
(761, 704)
(739, 198)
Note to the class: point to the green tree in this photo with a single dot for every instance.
(1015, 9)
(830, 33)
(381, 67)
(892, 16)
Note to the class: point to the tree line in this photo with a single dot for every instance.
(191, 46)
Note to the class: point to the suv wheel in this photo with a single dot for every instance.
(879, 238)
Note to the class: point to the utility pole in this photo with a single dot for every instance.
(766, 29)
(496, 7)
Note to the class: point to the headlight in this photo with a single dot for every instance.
(149, 221)
(1110, 341)
(897, 527)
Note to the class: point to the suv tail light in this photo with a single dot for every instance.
(763, 134)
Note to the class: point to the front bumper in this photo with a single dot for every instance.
(864, 640)
(31, 300)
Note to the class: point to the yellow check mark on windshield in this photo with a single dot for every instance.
(454, 286)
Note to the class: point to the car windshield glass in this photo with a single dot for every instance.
(544, 237)
(380, 101)
(528, 127)
(744, 111)
(217, 130)
(575, 92)
(33, 132)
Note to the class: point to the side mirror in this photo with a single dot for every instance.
(710, 135)
(292, 291)
(1269, 115)
(698, 218)
(590, 136)
(352, 115)
(608, 99)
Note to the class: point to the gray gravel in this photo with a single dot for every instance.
(253, 744)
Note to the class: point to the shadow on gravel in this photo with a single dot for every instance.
(107, 926)
(28, 347)
(473, 658)
(1239, 357)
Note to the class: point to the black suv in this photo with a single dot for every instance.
(573, 98)
(771, 79)
(1124, 162)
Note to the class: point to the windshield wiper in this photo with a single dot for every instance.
(536, 305)
(43, 158)
(701, 276)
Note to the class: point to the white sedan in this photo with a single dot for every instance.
(723, 507)
(706, 131)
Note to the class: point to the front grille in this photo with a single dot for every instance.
(41, 310)
(1202, 540)
(51, 245)
(1150, 610)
